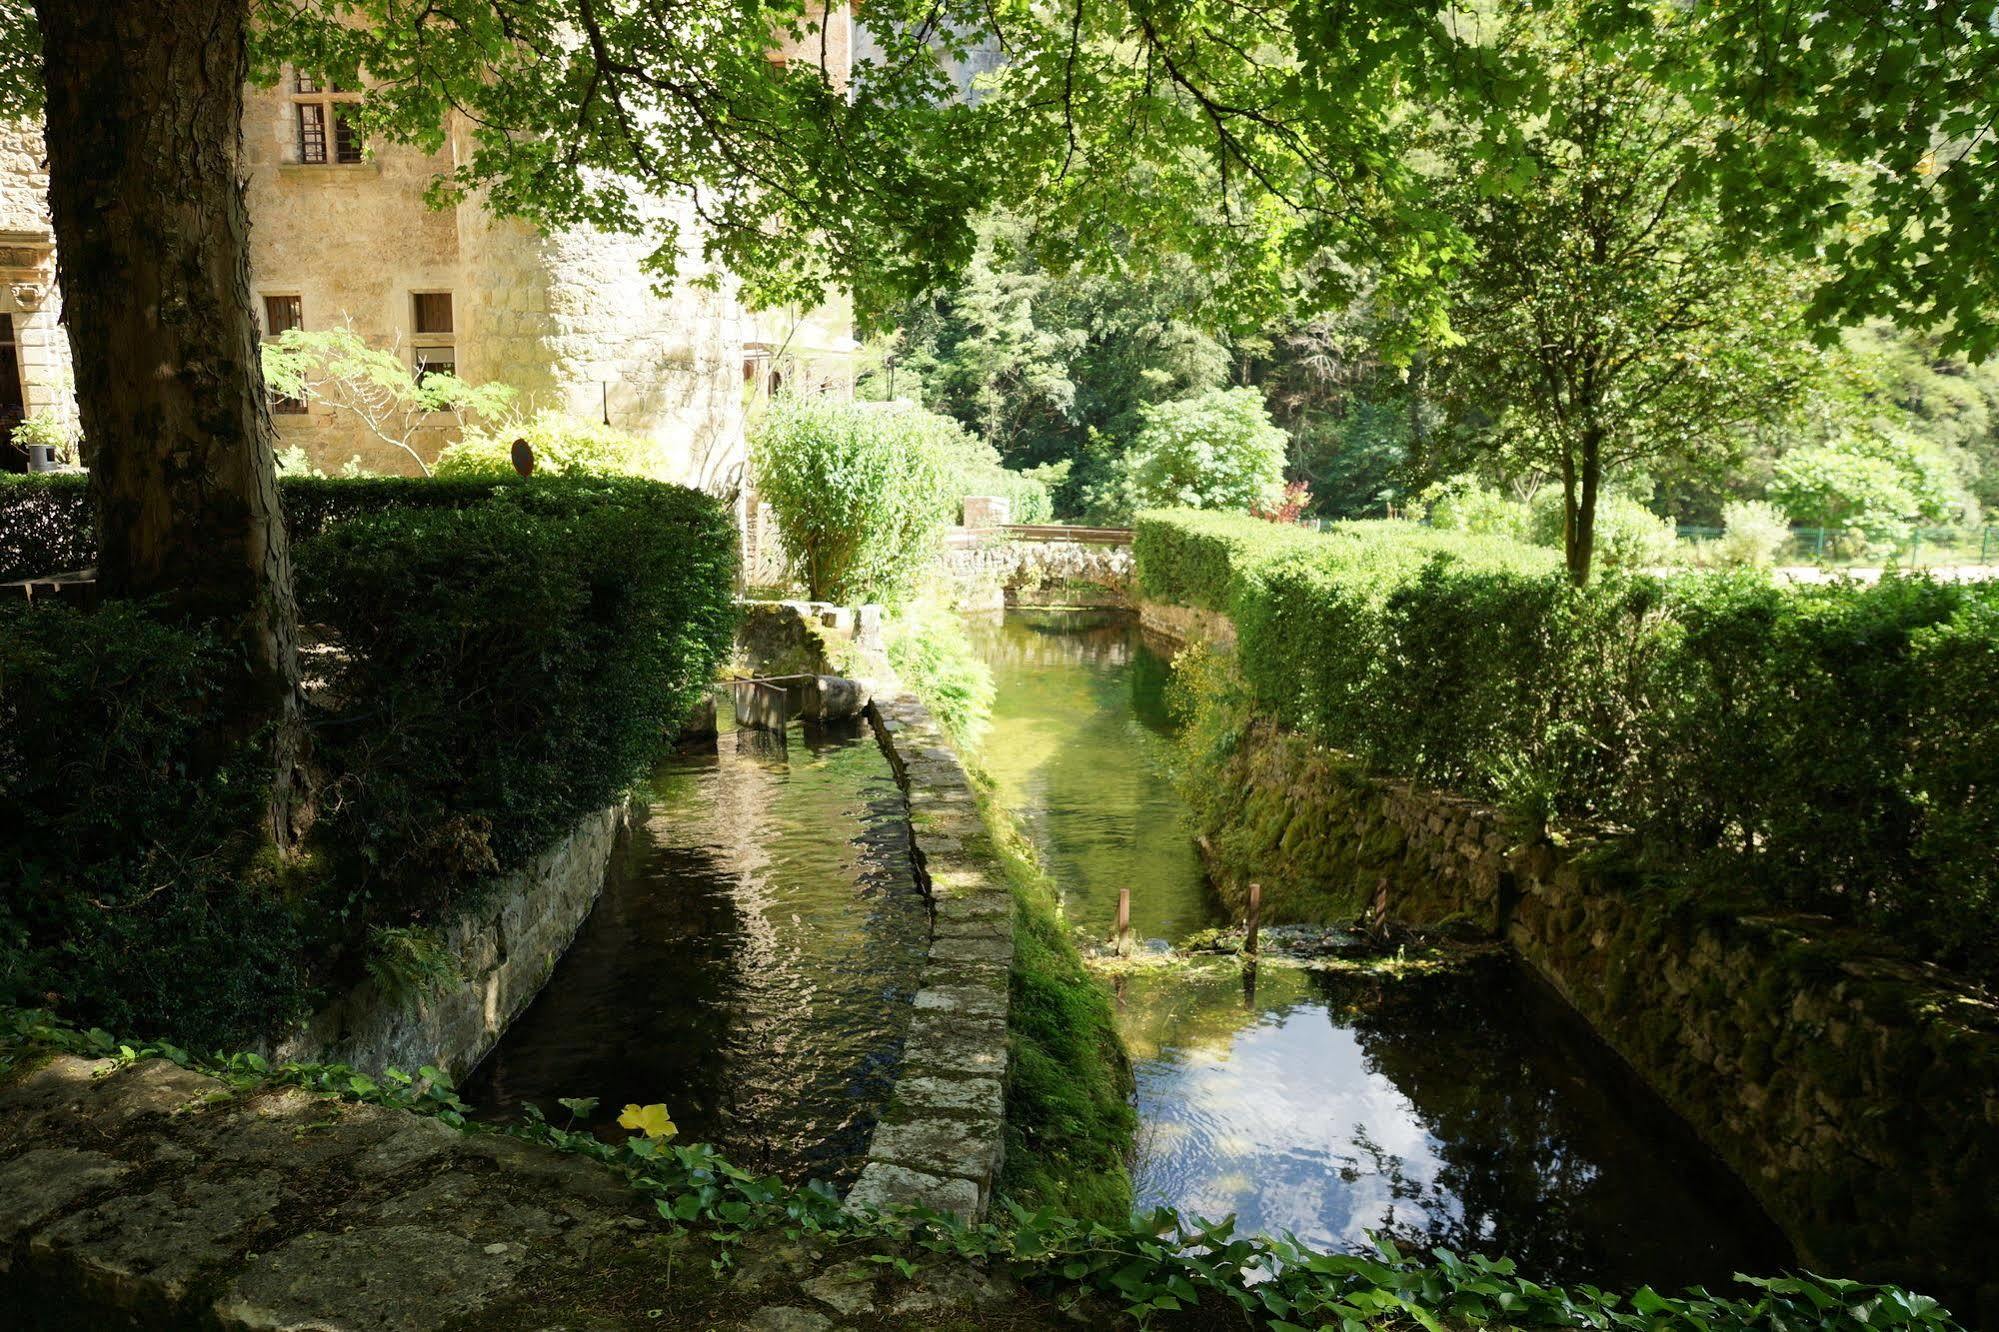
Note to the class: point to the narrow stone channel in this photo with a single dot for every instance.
(1469, 1108)
(750, 964)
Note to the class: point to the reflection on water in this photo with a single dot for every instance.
(1077, 750)
(1469, 1109)
(750, 964)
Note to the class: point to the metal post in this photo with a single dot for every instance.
(1255, 918)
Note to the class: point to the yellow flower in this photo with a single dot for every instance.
(650, 1120)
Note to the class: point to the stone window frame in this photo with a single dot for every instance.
(281, 405)
(323, 129)
(433, 349)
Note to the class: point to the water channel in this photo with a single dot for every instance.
(750, 963)
(1470, 1108)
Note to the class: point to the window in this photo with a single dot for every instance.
(435, 342)
(282, 313)
(325, 121)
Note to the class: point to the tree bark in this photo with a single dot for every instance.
(145, 141)
(1580, 487)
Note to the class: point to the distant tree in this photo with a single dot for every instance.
(1217, 450)
(1607, 317)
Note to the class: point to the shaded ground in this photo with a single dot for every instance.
(150, 1196)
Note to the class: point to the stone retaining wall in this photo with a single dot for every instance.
(939, 1142)
(1856, 1093)
(505, 947)
(1183, 625)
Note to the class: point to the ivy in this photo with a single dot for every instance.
(1154, 1268)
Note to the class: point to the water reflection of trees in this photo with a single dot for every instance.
(1546, 1150)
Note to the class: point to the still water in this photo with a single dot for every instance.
(1469, 1108)
(750, 964)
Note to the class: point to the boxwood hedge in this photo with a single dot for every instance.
(1832, 748)
(493, 659)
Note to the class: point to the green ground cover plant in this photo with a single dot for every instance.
(1157, 1270)
(494, 660)
(1825, 748)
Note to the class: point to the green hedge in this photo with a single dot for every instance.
(501, 658)
(1831, 748)
(507, 668)
(132, 882)
(46, 527)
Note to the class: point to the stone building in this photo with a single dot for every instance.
(340, 235)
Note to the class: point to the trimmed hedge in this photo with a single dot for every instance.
(505, 669)
(133, 888)
(501, 658)
(1830, 748)
(46, 526)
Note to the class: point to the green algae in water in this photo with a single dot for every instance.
(750, 964)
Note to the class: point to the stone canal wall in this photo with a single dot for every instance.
(939, 1142)
(504, 946)
(1855, 1092)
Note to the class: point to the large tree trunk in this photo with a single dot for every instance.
(145, 137)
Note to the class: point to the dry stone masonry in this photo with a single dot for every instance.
(938, 1143)
(504, 948)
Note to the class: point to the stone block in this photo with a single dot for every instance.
(883, 1184)
(951, 949)
(397, 1278)
(154, 1246)
(965, 1149)
(968, 1000)
(980, 1097)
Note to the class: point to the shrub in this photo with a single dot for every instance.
(973, 467)
(507, 668)
(1461, 504)
(561, 444)
(1835, 747)
(1628, 535)
(135, 893)
(858, 491)
(1753, 534)
(46, 525)
(45, 429)
(1218, 450)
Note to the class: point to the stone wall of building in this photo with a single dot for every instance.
(28, 292)
(354, 242)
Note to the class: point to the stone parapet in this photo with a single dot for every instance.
(939, 1142)
(504, 947)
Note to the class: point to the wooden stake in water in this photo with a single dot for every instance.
(1255, 920)
(1123, 932)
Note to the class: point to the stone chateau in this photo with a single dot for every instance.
(340, 235)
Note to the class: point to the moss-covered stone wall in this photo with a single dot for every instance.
(1856, 1092)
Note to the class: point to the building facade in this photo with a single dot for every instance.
(340, 235)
